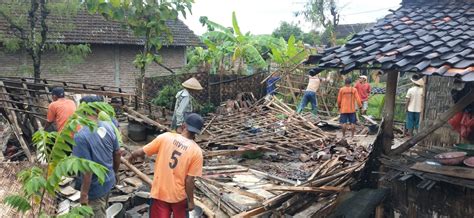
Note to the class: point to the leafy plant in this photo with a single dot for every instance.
(37, 181)
(290, 54)
(167, 96)
(29, 28)
(147, 19)
(230, 43)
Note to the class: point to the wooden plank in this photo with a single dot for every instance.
(232, 189)
(325, 189)
(209, 213)
(454, 171)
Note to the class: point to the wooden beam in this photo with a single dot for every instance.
(140, 175)
(442, 120)
(325, 189)
(389, 110)
(146, 119)
(454, 171)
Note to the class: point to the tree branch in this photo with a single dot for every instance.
(14, 26)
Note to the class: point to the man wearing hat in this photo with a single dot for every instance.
(363, 88)
(60, 109)
(184, 101)
(310, 92)
(179, 159)
(414, 105)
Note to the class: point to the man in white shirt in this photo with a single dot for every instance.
(414, 106)
(309, 95)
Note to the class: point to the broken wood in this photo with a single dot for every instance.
(232, 189)
(455, 171)
(324, 189)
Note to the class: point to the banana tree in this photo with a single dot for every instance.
(231, 42)
(290, 54)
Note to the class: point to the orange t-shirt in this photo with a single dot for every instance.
(60, 110)
(178, 157)
(347, 98)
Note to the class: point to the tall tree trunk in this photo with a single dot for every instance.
(141, 77)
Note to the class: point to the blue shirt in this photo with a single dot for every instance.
(98, 146)
(271, 85)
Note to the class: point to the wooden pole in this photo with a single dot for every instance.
(140, 175)
(442, 120)
(146, 119)
(389, 110)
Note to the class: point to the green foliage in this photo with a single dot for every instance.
(289, 55)
(376, 106)
(285, 30)
(34, 40)
(203, 109)
(36, 181)
(18, 202)
(147, 19)
(167, 96)
(78, 212)
(227, 47)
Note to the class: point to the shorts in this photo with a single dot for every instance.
(164, 209)
(413, 120)
(348, 118)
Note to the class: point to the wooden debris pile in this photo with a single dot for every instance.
(239, 191)
(267, 125)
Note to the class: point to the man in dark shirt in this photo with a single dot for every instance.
(100, 146)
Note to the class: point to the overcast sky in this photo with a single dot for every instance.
(263, 16)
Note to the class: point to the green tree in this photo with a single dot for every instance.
(285, 30)
(147, 19)
(29, 25)
(322, 13)
(289, 55)
(52, 147)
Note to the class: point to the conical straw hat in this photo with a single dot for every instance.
(420, 81)
(192, 83)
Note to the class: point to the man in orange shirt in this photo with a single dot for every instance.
(346, 100)
(60, 109)
(179, 161)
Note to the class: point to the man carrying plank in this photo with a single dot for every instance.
(179, 160)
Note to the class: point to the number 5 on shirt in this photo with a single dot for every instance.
(174, 159)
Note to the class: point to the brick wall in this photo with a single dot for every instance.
(105, 65)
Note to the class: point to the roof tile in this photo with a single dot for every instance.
(433, 38)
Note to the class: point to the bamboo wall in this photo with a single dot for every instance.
(438, 100)
(443, 200)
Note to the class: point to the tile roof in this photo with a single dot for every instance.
(432, 39)
(94, 29)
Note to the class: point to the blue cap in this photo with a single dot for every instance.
(58, 91)
(90, 99)
(194, 122)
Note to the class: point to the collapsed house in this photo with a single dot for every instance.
(433, 39)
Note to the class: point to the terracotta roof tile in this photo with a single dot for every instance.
(94, 29)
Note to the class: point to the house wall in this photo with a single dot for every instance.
(105, 65)
(438, 100)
